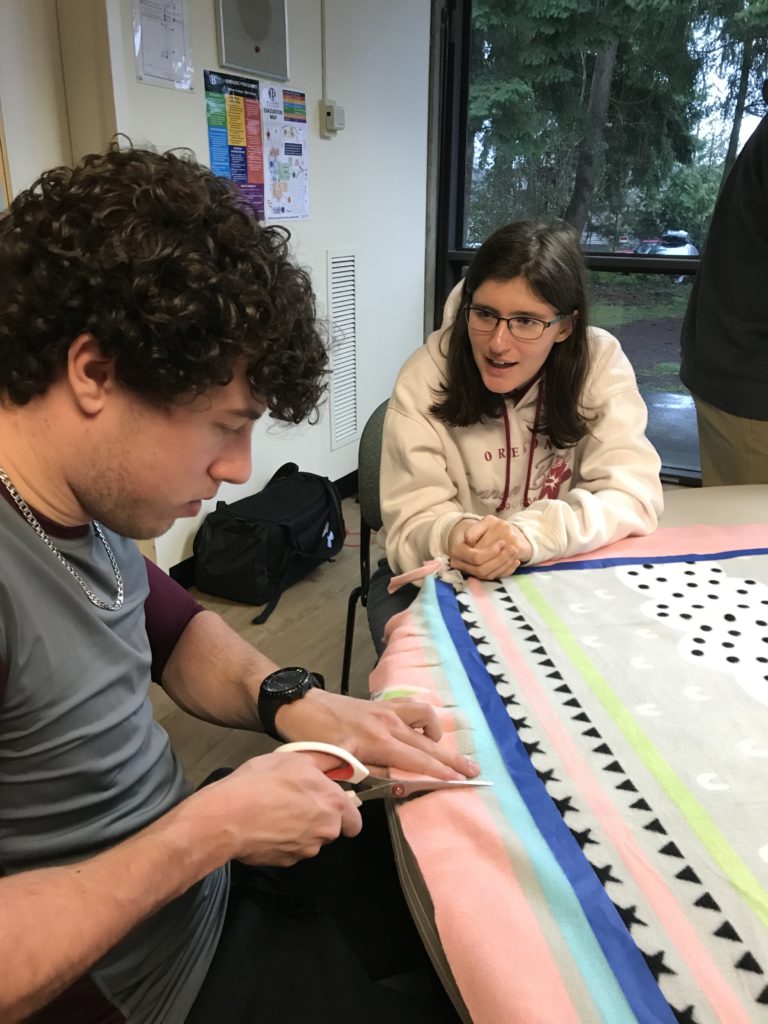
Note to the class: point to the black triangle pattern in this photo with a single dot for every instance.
(706, 901)
(565, 805)
(688, 875)
(727, 931)
(641, 805)
(748, 963)
(655, 826)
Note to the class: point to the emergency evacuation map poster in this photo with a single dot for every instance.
(257, 137)
(286, 165)
(233, 112)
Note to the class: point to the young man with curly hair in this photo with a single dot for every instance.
(146, 322)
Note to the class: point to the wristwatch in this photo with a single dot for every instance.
(282, 687)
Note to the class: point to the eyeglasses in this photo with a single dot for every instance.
(524, 328)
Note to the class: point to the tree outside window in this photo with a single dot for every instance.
(621, 116)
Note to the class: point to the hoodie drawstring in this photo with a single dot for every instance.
(531, 450)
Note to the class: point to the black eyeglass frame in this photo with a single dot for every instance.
(508, 320)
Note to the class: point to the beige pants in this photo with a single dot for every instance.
(733, 450)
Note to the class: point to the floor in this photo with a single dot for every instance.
(306, 628)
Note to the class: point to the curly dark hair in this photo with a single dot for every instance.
(168, 268)
(547, 254)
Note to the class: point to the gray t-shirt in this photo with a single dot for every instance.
(83, 765)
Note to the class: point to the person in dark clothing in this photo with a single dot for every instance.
(725, 331)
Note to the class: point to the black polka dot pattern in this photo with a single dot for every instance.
(719, 614)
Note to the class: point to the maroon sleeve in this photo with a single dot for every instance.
(167, 610)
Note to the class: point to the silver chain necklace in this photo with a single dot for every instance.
(29, 515)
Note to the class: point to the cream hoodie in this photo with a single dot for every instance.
(605, 488)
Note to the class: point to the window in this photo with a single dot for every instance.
(621, 117)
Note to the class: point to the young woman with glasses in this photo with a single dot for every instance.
(517, 433)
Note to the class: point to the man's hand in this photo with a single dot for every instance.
(278, 808)
(489, 548)
(401, 735)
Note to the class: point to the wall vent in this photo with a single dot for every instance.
(342, 316)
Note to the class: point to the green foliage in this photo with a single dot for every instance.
(529, 127)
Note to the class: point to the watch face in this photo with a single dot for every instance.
(286, 681)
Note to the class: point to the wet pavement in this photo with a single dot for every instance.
(672, 430)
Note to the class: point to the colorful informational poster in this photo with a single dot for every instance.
(286, 155)
(233, 112)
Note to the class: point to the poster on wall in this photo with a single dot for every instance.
(234, 117)
(286, 156)
(161, 43)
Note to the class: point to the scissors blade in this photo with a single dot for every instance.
(403, 789)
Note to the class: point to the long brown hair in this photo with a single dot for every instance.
(548, 256)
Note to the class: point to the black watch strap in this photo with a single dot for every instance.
(283, 686)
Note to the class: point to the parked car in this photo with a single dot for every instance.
(675, 243)
(648, 246)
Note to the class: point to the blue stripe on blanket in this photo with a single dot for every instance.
(625, 959)
(606, 563)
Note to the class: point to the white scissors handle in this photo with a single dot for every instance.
(355, 771)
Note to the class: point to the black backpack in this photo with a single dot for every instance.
(255, 548)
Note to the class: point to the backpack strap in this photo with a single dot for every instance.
(267, 610)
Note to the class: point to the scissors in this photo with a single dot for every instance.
(364, 786)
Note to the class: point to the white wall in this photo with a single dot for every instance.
(32, 90)
(367, 186)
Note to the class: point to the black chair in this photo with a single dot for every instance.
(368, 461)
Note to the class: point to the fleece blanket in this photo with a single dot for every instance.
(618, 869)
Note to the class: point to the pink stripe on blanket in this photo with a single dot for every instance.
(701, 540)
(453, 835)
(672, 917)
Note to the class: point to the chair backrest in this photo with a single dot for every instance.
(368, 464)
